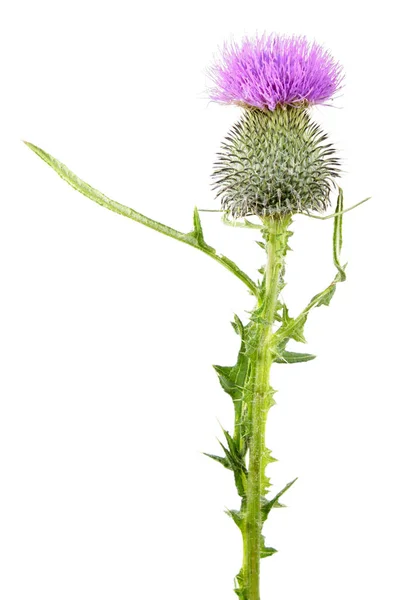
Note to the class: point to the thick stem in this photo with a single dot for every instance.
(276, 244)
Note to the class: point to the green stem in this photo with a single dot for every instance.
(276, 245)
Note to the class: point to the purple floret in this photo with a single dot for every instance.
(273, 70)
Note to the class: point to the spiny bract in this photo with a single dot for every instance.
(275, 162)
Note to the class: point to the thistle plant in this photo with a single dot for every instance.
(275, 162)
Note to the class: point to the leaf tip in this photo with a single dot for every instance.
(34, 148)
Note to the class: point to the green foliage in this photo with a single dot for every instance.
(289, 358)
(240, 587)
(239, 380)
(266, 551)
(235, 382)
(238, 517)
(228, 381)
(267, 457)
(338, 236)
(267, 505)
(236, 459)
(197, 233)
(194, 238)
(293, 328)
(223, 460)
(305, 164)
(242, 382)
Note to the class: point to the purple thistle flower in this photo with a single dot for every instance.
(272, 70)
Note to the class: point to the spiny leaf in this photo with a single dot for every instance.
(289, 358)
(237, 462)
(325, 297)
(234, 450)
(267, 505)
(228, 381)
(270, 401)
(293, 327)
(258, 319)
(240, 588)
(234, 381)
(228, 455)
(267, 458)
(220, 459)
(237, 517)
(238, 326)
(266, 551)
(198, 232)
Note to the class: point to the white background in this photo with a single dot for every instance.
(108, 330)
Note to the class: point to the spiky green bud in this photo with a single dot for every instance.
(275, 162)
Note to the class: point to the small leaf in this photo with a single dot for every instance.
(289, 358)
(325, 297)
(198, 232)
(237, 462)
(234, 450)
(266, 459)
(197, 227)
(220, 459)
(267, 505)
(240, 588)
(237, 517)
(228, 382)
(233, 379)
(293, 327)
(338, 235)
(266, 551)
(238, 326)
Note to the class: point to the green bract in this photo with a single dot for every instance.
(275, 162)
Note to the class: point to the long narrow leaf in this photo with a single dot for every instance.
(293, 328)
(194, 238)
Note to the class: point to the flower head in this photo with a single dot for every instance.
(272, 70)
